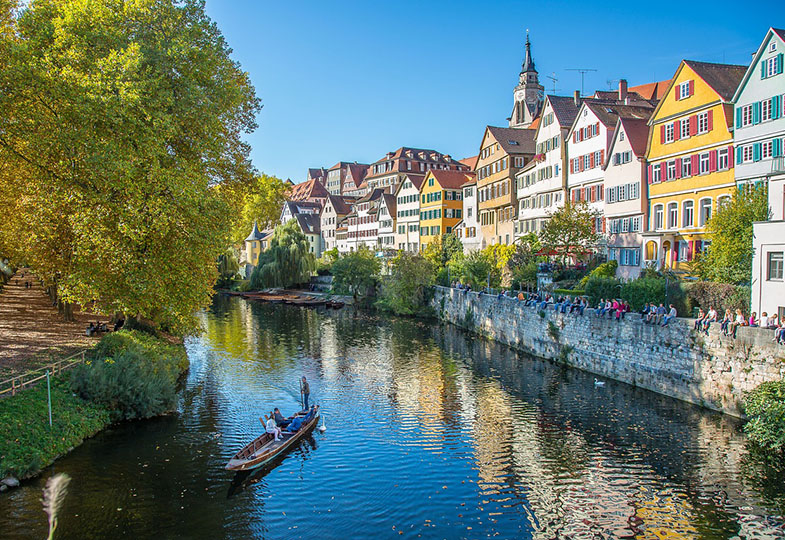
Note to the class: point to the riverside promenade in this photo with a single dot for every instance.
(32, 331)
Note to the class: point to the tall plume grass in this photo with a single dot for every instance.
(54, 494)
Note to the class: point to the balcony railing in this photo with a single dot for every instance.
(778, 164)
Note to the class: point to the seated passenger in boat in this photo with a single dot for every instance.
(272, 428)
(311, 414)
(280, 421)
(295, 424)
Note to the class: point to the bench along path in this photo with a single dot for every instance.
(32, 332)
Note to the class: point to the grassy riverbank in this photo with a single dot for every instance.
(131, 375)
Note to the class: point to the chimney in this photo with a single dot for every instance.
(577, 98)
(622, 89)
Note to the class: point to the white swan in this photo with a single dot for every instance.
(598, 382)
(322, 428)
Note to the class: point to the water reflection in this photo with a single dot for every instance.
(431, 433)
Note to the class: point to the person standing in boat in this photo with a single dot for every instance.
(306, 389)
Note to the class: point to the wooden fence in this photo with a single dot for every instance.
(10, 387)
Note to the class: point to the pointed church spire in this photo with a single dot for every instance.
(528, 63)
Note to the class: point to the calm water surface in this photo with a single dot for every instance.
(431, 433)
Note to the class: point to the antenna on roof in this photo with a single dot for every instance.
(611, 83)
(582, 71)
(553, 79)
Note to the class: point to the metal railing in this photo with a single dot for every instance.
(10, 387)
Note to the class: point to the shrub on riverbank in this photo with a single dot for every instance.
(27, 444)
(133, 374)
(765, 406)
(409, 287)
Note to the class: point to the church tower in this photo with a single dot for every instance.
(529, 94)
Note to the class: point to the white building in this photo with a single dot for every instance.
(759, 138)
(625, 198)
(407, 209)
(540, 187)
(587, 146)
(292, 208)
(363, 223)
(387, 222)
(335, 209)
(468, 229)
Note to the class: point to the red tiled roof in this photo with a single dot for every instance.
(451, 179)
(653, 90)
(307, 190)
(637, 131)
(470, 162)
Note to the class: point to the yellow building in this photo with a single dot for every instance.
(441, 203)
(502, 154)
(690, 156)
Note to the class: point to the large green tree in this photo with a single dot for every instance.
(570, 231)
(411, 277)
(118, 120)
(288, 260)
(729, 257)
(260, 200)
(356, 273)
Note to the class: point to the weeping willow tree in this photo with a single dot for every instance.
(228, 266)
(287, 261)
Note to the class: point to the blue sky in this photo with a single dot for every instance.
(350, 81)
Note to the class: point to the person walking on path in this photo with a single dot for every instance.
(306, 389)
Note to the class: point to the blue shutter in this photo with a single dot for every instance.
(776, 150)
(756, 112)
(756, 152)
(779, 63)
(763, 70)
(739, 157)
(738, 117)
(776, 107)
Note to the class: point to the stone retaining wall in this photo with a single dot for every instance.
(713, 371)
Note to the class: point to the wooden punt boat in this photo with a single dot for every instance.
(264, 448)
(334, 304)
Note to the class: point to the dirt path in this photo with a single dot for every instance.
(31, 329)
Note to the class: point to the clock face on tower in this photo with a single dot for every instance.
(534, 97)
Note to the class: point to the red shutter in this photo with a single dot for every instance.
(591, 160)
(602, 157)
(678, 167)
(662, 134)
(690, 247)
(693, 124)
(712, 161)
(676, 130)
(651, 175)
(730, 157)
(600, 191)
(695, 170)
(572, 195)
(692, 88)
(603, 224)
(574, 136)
(710, 121)
(572, 166)
(597, 128)
(677, 94)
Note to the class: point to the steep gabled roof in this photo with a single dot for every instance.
(390, 203)
(756, 57)
(451, 179)
(515, 140)
(609, 113)
(357, 172)
(309, 223)
(637, 130)
(339, 204)
(723, 78)
(652, 91)
(564, 109)
(372, 196)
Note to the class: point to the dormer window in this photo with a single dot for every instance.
(772, 46)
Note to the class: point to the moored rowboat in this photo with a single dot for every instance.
(264, 448)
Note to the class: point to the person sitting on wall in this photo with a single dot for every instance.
(670, 316)
(699, 321)
(710, 317)
(725, 323)
(753, 321)
(738, 321)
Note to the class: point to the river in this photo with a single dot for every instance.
(431, 433)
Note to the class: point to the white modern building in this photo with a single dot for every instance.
(407, 209)
(759, 138)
